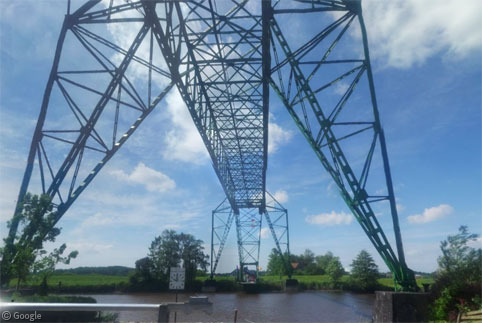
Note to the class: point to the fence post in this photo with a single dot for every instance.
(163, 314)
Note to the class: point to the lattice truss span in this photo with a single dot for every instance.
(222, 56)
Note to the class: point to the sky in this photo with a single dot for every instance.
(426, 60)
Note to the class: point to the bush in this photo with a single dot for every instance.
(458, 278)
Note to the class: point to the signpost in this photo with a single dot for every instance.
(177, 278)
(176, 281)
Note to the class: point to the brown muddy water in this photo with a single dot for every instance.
(320, 306)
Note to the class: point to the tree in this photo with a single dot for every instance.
(164, 254)
(364, 272)
(275, 264)
(458, 257)
(322, 261)
(306, 263)
(192, 256)
(335, 270)
(459, 276)
(36, 222)
(143, 275)
(172, 249)
(45, 266)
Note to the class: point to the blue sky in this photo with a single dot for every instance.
(426, 58)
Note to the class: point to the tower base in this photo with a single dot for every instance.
(400, 307)
(291, 285)
(251, 288)
(209, 286)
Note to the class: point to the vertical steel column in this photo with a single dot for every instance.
(212, 243)
(266, 15)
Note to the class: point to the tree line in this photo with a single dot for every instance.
(364, 274)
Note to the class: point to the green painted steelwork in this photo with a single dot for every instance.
(222, 56)
(300, 93)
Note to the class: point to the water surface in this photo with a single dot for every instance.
(319, 306)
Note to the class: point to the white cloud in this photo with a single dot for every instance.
(277, 136)
(400, 207)
(408, 32)
(281, 196)
(330, 219)
(183, 141)
(477, 243)
(153, 180)
(431, 214)
(84, 247)
(340, 87)
(265, 233)
(96, 220)
(171, 226)
(332, 190)
(189, 215)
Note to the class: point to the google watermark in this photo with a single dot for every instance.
(32, 317)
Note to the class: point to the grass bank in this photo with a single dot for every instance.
(80, 283)
(98, 283)
(311, 282)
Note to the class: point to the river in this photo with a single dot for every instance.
(319, 306)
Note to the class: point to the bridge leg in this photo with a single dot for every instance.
(277, 219)
(222, 219)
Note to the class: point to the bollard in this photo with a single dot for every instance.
(426, 288)
(163, 314)
(235, 315)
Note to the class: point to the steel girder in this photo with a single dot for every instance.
(221, 57)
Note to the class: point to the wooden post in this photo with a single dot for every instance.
(235, 315)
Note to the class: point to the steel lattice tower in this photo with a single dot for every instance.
(223, 57)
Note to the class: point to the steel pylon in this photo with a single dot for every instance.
(222, 57)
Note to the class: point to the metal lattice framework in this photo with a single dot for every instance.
(249, 222)
(222, 56)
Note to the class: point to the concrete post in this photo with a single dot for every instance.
(163, 314)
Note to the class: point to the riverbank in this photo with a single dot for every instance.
(98, 283)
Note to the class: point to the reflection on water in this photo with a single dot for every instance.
(323, 306)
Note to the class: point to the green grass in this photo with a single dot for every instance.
(73, 280)
(388, 282)
(107, 283)
(323, 281)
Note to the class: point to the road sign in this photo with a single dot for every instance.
(177, 278)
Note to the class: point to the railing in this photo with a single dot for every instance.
(473, 316)
(196, 303)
